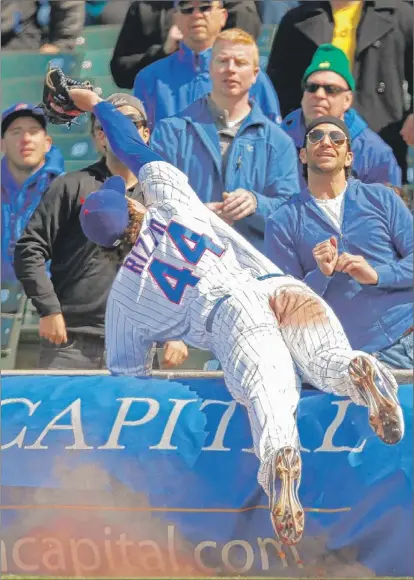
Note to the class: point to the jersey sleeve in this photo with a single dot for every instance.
(246, 254)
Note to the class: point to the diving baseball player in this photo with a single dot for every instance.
(190, 276)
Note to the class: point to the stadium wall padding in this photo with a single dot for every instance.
(113, 476)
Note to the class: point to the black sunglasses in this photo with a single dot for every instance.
(329, 89)
(190, 9)
(336, 137)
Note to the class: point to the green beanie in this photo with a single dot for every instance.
(332, 58)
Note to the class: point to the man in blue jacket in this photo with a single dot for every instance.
(29, 165)
(352, 243)
(171, 84)
(240, 163)
(328, 87)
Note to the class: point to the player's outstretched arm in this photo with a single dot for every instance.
(124, 138)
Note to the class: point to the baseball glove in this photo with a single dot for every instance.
(56, 93)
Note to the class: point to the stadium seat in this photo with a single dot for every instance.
(32, 64)
(76, 147)
(108, 87)
(13, 302)
(95, 63)
(76, 165)
(21, 90)
(97, 38)
(265, 43)
(11, 296)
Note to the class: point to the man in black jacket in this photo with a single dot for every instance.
(21, 25)
(383, 62)
(148, 34)
(72, 303)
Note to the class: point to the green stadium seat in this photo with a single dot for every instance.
(25, 65)
(12, 294)
(265, 43)
(76, 165)
(76, 147)
(21, 91)
(97, 38)
(6, 328)
(95, 63)
(108, 87)
(13, 302)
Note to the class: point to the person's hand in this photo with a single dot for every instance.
(53, 328)
(175, 353)
(84, 99)
(238, 204)
(358, 268)
(326, 255)
(49, 49)
(217, 208)
(173, 39)
(407, 131)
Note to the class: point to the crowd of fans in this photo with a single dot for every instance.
(200, 99)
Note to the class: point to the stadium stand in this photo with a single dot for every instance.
(22, 80)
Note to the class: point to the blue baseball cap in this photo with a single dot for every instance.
(104, 215)
(22, 110)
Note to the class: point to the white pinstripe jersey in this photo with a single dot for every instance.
(185, 258)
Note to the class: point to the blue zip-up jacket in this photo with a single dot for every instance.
(170, 85)
(18, 202)
(261, 159)
(374, 161)
(376, 225)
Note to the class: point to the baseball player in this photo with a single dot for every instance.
(190, 276)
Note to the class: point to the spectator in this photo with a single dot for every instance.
(29, 165)
(22, 29)
(149, 33)
(106, 12)
(171, 84)
(327, 90)
(72, 303)
(377, 37)
(240, 163)
(352, 243)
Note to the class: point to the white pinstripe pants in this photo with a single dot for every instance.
(258, 356)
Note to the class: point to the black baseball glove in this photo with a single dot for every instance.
(57, 104)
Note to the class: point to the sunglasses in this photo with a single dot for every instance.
(190, 9)
(336, 137)
(329, 89)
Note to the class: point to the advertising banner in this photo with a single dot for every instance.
(137, 477)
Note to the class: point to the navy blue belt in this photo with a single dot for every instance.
(213, 311)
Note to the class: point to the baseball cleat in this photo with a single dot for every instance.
(286, 512)
(380, 394)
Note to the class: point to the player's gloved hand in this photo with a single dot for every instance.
(238, 204)
(53, 328)
(358, 268)
(57, 102)
(175, 353)
(326, 255)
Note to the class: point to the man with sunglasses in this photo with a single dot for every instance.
(328, 87)
(72, 303)
(352, 243)
(171, 84)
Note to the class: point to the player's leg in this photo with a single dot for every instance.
(320, 348)
(260, 374)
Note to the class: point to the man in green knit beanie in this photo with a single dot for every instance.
(328, 86)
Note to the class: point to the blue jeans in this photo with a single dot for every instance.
(399, 355)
